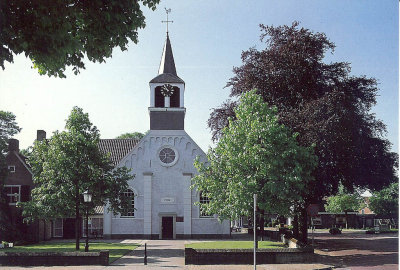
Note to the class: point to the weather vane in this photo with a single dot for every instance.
(167, 11)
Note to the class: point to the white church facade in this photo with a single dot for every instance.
(162, 163)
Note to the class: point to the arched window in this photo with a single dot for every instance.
(159, 98)
(130, 210)
(203, 201)
(175, 98)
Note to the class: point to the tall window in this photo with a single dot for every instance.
(129, 211)
(13, 193)
(204, 200)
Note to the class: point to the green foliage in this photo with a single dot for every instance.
(344, 202)
(68, 164)
(257, 155)
(323, 102)
(8, 128)
(56, 34)
(386, 201)
(132, 135)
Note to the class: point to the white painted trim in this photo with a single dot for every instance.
(166, 109)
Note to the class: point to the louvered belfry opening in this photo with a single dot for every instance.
(159, 101)
(174, 99)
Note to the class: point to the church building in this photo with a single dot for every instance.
(162, 163)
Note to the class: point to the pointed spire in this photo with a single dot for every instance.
(167, 64)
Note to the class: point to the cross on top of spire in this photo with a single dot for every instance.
(167, 21)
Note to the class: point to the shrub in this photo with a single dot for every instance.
(335, 231)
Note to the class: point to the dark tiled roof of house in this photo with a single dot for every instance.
(117, 148)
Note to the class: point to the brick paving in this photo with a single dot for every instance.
(358, 251)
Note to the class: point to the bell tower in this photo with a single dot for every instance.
(167, 111)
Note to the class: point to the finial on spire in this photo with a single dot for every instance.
(167, 21)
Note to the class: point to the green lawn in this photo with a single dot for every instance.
(234, 245)
(117, 250)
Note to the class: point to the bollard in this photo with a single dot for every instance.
(145, 253)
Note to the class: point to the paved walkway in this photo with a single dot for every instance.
(349, 251)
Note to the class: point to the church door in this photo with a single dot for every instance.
(167, 227)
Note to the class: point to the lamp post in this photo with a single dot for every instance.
(87, 198)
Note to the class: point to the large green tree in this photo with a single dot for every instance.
(255, 155)
(344, 202)
(386, 201)
(8, 128)
(68, 164)
(57, 34)
(323, 103)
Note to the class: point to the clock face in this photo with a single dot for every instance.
(167, 90)
(167, 155)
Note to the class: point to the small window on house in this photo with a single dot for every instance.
(95, 227)
(13, 193)
(58, 227)
(11, 169)
(130, 211)
(203, 201)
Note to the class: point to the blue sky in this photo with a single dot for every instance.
(207, 39)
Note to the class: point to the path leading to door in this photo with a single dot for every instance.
(160, 253)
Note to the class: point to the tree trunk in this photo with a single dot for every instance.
(77, 217)
(303, 225)
(345, 216)
(296, 226)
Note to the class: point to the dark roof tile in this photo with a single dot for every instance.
(117, 148)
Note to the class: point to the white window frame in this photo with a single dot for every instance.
(200, 203)
(13, 194)
(91, 228)
(130, 190)
(62, 228)
(11, 168)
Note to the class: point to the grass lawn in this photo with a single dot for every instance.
(234, 245)
(117, 250)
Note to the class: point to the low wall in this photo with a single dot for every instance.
(53, 258)
(246, 256)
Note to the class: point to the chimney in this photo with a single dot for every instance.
(13, 145)
(41, 135)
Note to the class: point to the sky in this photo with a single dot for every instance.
(207, 39)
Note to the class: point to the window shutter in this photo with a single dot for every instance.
(25, 193)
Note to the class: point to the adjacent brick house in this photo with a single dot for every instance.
(18, 186)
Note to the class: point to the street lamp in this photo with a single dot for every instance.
(87, 198)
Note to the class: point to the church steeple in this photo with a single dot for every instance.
(167, 111)
(167, 64)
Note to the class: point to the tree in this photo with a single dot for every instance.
(8, 128)
(255, 155)
(386, 201)
(344, 202)
(323, 103)
(56, 34)
(133, 135)
(68, 164)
